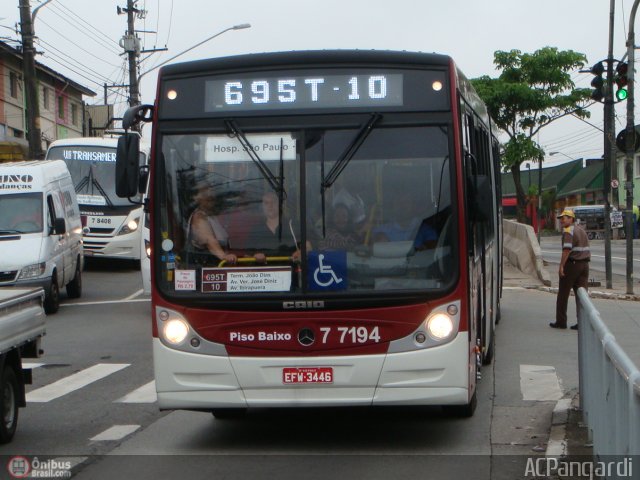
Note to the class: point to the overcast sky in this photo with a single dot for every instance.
(79, 38)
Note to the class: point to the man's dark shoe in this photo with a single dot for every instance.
(574, 327)
(555, 325)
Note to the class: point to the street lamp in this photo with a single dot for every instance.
(235, 27)
(561, 153)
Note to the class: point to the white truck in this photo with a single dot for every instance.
(22, 326)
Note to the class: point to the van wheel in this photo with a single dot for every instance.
(74, 287)
(52, 297)
(8, 404)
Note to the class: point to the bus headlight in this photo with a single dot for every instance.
(130, 226)
(175, 331)
(440, 326)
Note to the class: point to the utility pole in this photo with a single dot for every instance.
(630, 138)
(131, 44)
(30, 81)
(609, 151)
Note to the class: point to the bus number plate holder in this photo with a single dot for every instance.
(298, 375)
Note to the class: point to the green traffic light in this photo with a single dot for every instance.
(622, 94)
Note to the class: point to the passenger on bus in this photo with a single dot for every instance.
(406, 226)
(272, 237)
(205, 230)
(341, 233)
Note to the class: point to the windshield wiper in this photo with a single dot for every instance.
(9, 232)
(92, 180)
(350, 152)
(344, 159)
(274, 183)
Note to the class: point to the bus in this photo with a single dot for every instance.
(354, 196)
(110, 223)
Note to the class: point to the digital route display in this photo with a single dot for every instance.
(304, 92)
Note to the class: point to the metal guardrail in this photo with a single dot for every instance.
(609, 386)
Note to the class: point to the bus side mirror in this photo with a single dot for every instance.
(483, 208)
(127, 170)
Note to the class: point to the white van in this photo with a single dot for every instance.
(40, 229)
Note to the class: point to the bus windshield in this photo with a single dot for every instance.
(92, 170)
(305, 211)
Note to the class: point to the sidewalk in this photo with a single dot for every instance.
(619, 311)
(621, 314)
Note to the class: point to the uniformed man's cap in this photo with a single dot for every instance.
(567, 213)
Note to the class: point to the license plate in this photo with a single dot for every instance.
(293, 375)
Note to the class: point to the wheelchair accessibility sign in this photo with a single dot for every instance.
(327, 270)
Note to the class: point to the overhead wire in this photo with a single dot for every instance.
(93, 55)
(80, 27)
(72, 60)
(109, 40)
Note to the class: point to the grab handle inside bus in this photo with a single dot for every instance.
(251, 260)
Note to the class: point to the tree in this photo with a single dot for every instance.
(532, 91)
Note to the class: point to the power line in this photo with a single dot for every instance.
(62, 62)
(110, 40)
(84, 31)
(93, 55)
(73, 60)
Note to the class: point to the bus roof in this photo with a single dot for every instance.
(107, 142)
(307, 57)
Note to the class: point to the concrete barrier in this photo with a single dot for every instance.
(522, 249)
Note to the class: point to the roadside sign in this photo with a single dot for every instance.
(615, 183)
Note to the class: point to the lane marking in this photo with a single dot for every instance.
(539, 383)
(144, 394)
(74, 382)
(105, 302)
(31, 365)
(134, 295)
(117, 432)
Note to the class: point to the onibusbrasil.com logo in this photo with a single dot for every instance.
(22, 467)
(550, 467)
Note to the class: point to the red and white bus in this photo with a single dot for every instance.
(382, 278)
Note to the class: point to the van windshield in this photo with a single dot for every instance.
(21, 213)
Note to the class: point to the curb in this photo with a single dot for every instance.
(557, 444)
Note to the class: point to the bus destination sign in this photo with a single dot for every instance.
(304, 92)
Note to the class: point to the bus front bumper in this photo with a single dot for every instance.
(433, 376)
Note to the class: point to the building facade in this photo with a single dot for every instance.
(60, 99)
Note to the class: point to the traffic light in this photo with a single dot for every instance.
(621, 80)
(598, 82)
(621, 140)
